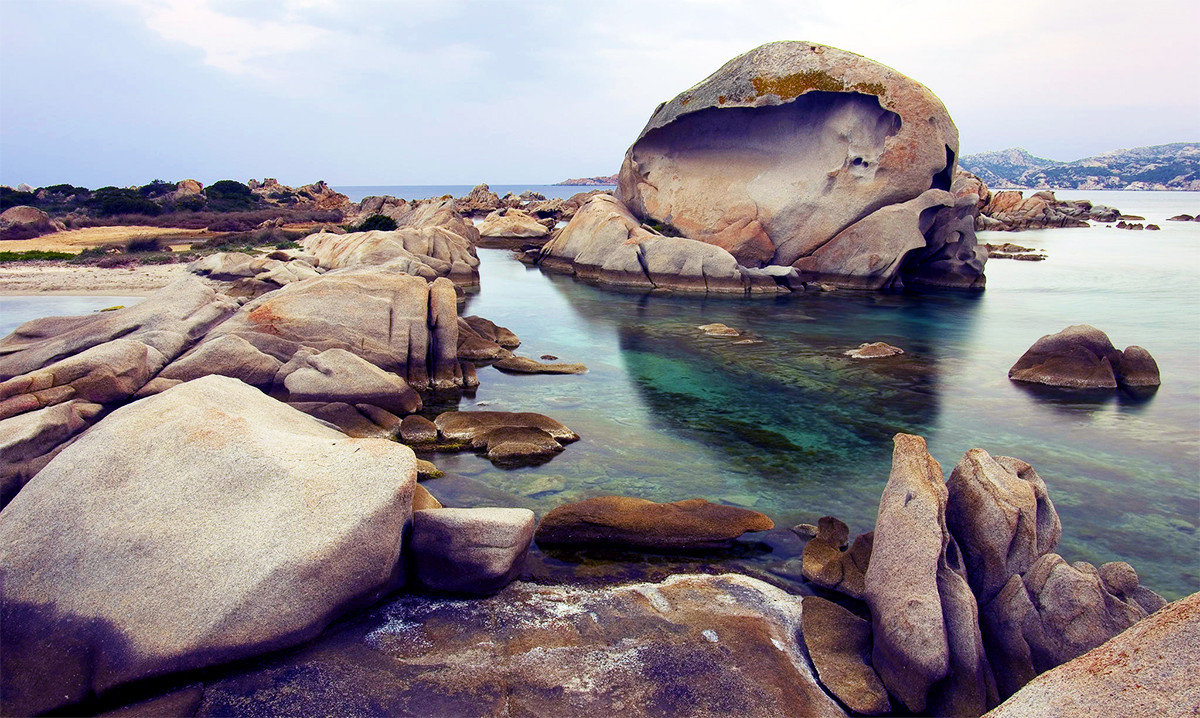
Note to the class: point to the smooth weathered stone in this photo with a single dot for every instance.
(493, 332)
(1055, 612)
(27, 440)
(1136, 368)
(473, 427)
(525, 365)
(337, 375)
(1001, 515)
(511, 446)
(827, 565)
(201, 525)
(700, 646)
(169, 321)
(1147, 670)
(396, 321)
(228, 356)
(422, 499)
(1079, 356)
(604, 243)
(785, 146)
(426, 251)
(693, 524)
(510, 222)
(839, 644)
(477, 551)
(928, 647)
(415, 429)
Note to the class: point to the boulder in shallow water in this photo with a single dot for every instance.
(477, 551)
(623, 521)
(1082, 357)
(873, 350)
(512, 223)
(473, 427)
(201, 525)
(786, 146)
(525, 365)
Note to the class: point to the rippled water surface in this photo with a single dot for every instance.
(792, 428)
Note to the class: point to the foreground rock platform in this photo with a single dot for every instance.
(198, 526)
(692, 645)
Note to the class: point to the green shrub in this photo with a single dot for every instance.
(229, 196)
(145, 244)
(110, 201)
(157, 188)
(377, 221)
(9, 197)
(36, 254)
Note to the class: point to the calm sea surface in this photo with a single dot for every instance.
(792, 428)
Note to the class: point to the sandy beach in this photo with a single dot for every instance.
(25, 278)
(77, 240)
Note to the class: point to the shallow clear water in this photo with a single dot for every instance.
(424, 191)
(791, 428)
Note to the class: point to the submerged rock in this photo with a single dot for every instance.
(525, 365)
(694, 524)
(873, 350)
(1082, 357)
(197, 526)
(1147, 670)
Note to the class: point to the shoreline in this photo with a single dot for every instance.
(58, 279)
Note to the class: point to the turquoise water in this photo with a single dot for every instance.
(424, 191)
(791, 428)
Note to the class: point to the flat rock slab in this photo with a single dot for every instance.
(873, 350)
(693, 646)
(525, 365)
(839, 644)
(694, 524)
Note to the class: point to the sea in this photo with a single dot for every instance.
(794, 429)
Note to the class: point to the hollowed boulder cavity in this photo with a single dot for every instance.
(786, 147)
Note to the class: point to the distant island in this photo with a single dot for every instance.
(587, 181)
(1161, 167)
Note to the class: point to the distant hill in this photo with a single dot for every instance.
(588, 181)
(1161, 167)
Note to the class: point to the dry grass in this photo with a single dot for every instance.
(77, 240)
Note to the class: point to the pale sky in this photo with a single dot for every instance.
(375, 92)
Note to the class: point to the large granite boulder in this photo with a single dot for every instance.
(477, 551)
(1001, 515)
(228, 355)
(23, 222)
(429, 252)
(1147, 670)
(784, 147)
(205, 524)
(1082, 357)
(168, 321)
(606, 244)
(512, 223)
(627, 522)
(397, 321)
(336, 375)
(700, 646)
(927, 643)
(1053, 613)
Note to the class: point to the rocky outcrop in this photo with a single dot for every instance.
(29, 441)
(1082, 357)
(927, 644)
(1001, 515)
(827, 563)
(250, 275)
(605, 244)
(416, 214)
(476, 551)
(1041, 210)
(512, 223)
(427, 251)
(481, 200)
(1147, 670)
(394, 320)
(198, 526)
(622, 521)
(23, 222)
(701, 646)
(839, 644)
(317, 196)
